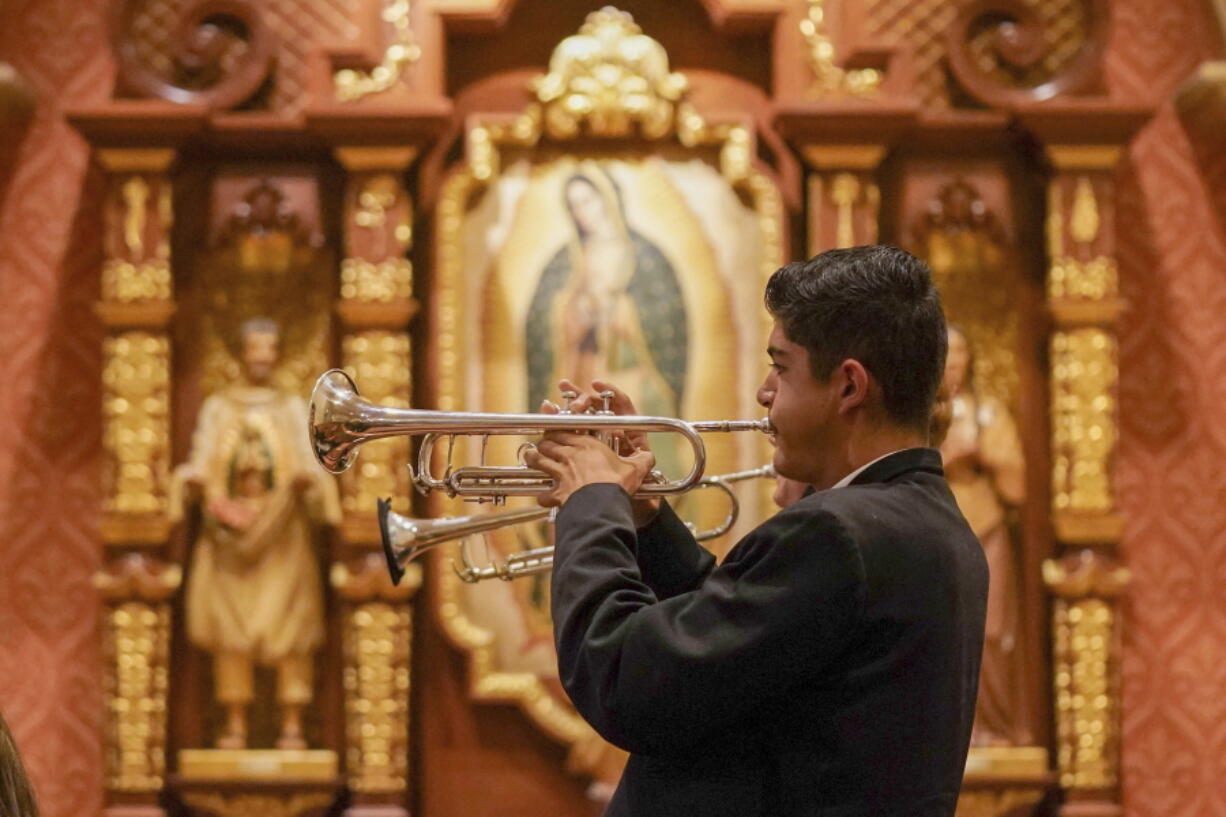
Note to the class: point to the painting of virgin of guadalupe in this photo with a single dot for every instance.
(622, 268)
(608, 305)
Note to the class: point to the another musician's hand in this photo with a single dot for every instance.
(576, 460)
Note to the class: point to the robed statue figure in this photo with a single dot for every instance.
(986, 471)
(255, 593)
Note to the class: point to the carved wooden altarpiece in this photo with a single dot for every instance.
(828, 122)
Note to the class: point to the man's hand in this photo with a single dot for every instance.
(576, 460)
(629, 442)
(621, 403)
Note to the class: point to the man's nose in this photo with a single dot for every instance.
(766, 394)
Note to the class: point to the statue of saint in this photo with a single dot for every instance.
(255, 592)
(986, 472)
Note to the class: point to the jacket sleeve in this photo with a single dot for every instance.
(670, 560)
(651, 675)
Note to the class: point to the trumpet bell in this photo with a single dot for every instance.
(405, 538)
(333, 412)
(385, 534)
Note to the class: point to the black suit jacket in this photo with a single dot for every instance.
(828, 666)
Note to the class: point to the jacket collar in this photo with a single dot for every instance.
(899, 463)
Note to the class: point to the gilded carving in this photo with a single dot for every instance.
(1096, 279)
(844, 191)
(130, 274)
(829, 78)
(997, 802)
(136, 640)
(135, 193)
(376, 679)
(257, 805)
(263, 248)
(1084, 374)
(379, 360)
(352, 85)
(1085, 220)
(383, 214)
(136, 379)
(1086, 684)
(384, 281)
(610, 77)
(127, 282)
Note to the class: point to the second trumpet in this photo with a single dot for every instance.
(405, 539)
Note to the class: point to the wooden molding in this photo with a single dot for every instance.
(1089, 529)
(1085, 157)
(843, 157)
(1071, 313)
(377, 315)
(1201, 100)
(395, 159)
(135, 160)
(135, 529)
(139, 315)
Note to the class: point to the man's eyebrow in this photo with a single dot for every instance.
(776, 352)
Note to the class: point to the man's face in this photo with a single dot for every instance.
(802, 410)
(259, 356)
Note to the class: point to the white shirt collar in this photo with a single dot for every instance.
(845, 481)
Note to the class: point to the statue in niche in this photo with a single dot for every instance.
(255, 592)
(986, 472)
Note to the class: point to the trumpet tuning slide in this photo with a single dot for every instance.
(393, 569)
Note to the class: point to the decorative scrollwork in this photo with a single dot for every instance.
(224, 55)
(829, 78)
(1086, 586)
(352, 84)
(136, 645)
(1016, 44)
(609, 76)
(1084, 375)
(136, 377)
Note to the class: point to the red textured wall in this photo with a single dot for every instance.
(1172, 239)
(50, 437)
(1172, 212)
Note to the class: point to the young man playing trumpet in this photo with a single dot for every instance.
(829, 665)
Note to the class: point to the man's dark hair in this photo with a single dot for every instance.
(876, 305)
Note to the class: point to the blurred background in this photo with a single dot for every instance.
(206, 203)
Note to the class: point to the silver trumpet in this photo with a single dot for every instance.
(340, 421)
(405, 539)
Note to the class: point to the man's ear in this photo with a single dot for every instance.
(854, 384)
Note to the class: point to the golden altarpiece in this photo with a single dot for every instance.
(409, 189)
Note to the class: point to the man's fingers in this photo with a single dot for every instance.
(564, 438)
(643, 460)
(621, 402)
(549, 407)
(534, 458)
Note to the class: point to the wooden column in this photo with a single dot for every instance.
(842, 199)
(843, 144)
(1084, 144)
(378, 626)
(376, 306)
(136, 583)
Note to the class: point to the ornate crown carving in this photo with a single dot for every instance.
(609, 76)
